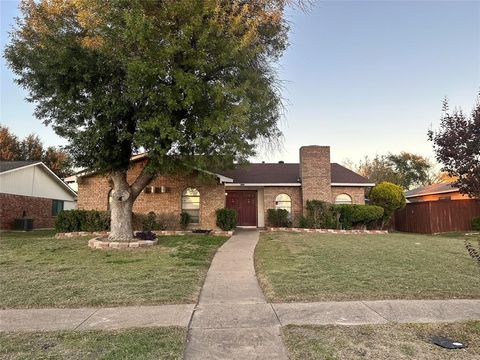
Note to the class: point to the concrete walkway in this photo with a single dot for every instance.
(95, 318)
(232, 319)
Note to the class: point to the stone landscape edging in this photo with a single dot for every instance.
(98, 243)
(326, 231)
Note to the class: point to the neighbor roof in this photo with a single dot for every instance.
(10, 165)
(280, 173)
(431, 190)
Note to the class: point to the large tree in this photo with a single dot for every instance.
(457, 147)
(191, 83)
(404, 169)
(31, 148)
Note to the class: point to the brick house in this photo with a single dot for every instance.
(251, 189)
(29, 189)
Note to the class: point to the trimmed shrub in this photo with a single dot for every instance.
(149, 222)
(304, 223)
(364, 216)
(226, 219)
(476, 223)
(278, 218)
(167, 221)
(185, 220)
(82, 220)
(321, 215)
(388, 196)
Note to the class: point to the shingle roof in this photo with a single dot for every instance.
(10, 165)
(431, 189)
(280, 173)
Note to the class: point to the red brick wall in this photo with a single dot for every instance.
(13, 206)
(315, 173)
(271, 192)
(357, 193)
(93, 195)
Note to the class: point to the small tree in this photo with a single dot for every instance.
(388, 196)
(457, 147)
(191, 83)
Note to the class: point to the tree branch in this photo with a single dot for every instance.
(141, 181)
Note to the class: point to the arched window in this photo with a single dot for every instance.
(109, 202)
(283, 201)
(343, 199)
(191, 204)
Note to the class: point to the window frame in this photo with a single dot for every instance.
(195, 219)
(289, 201)
(343, 202)
(55, 208)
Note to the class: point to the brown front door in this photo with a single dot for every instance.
(245, 202)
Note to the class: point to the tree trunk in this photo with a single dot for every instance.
(121, 228)
(123, 196)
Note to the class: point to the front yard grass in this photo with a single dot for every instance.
(38, 270)
(152, 343)
(327, 267)
(392, 341)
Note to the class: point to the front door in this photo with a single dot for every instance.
(245, 203)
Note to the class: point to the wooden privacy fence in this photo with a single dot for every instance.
(430, 217)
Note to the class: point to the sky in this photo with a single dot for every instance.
(364, 77)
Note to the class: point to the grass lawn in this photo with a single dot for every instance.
(395, 341)
(323, 267)
(153, 343)
(40, 271)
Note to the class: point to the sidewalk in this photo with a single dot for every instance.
(241, 315)
(232, 319)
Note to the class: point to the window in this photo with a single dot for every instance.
(283, 201)
(191, 204)
(109, 200)
(343, 199)
(57, 206)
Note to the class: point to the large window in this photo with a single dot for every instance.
(191, 204)
(283, 201)
(57, 206)
(343, 199)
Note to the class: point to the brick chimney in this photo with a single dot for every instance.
(315, 173)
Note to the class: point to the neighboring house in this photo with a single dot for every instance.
(29, 189)
(434, 192)
(72, 182)
(250, 189)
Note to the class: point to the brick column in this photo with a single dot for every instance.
(315, 173)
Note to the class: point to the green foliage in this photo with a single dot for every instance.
(304, 223)
(278, 218)
(149, 223)
(455, 145)
(226, 219)
(82, 220)
(321, 215)
(352, 216)
(476, 223)
(185, 220)
(171, 78)
(405, 169)
(388, 196)
(31, 148)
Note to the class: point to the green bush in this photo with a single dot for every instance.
(321, 215)
(364, 216)
(476, 223)
(388, 196)
(82, 220)
(226, 219)
(185, 220)
(278, 218)
(149, 222)
(304, 222)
